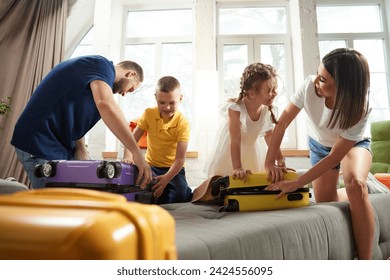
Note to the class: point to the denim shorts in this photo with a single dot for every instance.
(318, 151)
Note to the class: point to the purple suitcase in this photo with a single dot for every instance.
(109, 176)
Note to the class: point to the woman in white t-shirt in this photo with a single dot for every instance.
(337, 107)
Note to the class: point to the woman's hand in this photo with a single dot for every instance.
(284, 187)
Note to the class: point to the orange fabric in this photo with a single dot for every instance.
(142, 143)
(384, 178)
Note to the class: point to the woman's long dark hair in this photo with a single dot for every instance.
(351, 74)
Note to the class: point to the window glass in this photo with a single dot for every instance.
(269, 20)
(359, 27)
(348, 19)
(85, 47)
(161, 23)
(163, 46)
(327, 46)
(143, 97)
(274, 54)
(177, 62)
(373, 51)
(235, 61)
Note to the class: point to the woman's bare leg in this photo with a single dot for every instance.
(325, 187)
(356, 165)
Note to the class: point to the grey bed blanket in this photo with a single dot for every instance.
(317, 232)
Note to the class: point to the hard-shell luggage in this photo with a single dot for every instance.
(76, 224)
(252, 196)
(110, 176)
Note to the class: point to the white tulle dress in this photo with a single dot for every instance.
(253, 146)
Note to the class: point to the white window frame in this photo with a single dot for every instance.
(253, 42)
(350, 37)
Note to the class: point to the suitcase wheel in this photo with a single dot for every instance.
(38, 171)
(47, 169)
(219, 184)
(232, 206)
(109, 170)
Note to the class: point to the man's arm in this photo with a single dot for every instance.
(113, 117)
(127, 155)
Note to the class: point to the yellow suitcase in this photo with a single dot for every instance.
(76, 224)
(252, 196)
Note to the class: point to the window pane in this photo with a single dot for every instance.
(379, 97)
(373, 51)
(159, 23)
(135, 103)
(275, 55)
(270, 20)
(177, 59)
(349, 19)
(177, 62)
(85, 47)
(328, 46)
(379, 115)
(235, 61)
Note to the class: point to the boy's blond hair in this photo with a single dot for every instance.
(167, 84)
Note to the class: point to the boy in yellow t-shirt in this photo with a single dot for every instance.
(168, 134)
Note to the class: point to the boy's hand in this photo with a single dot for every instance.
(240, 173)
(160, 185)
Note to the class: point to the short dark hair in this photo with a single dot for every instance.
(131, 65)
(167, 84)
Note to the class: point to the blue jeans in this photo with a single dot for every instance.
(177, 190)
(319, 151)
(29, 161)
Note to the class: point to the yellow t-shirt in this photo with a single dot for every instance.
(162, 138)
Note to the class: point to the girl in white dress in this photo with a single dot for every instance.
(240, 144)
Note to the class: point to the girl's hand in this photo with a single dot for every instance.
(240, 173)
(275, 172)
(284, 187)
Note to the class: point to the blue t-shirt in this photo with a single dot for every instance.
(62, 109)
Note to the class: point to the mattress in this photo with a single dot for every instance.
(317, 232)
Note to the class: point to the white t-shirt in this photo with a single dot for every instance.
(318, 116)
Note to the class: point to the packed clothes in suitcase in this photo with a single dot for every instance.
(81, 224)
(110, 176)
(252, 196)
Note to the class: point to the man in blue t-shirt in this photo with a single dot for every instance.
(68, 102)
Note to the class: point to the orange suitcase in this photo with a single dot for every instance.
(62, 223)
